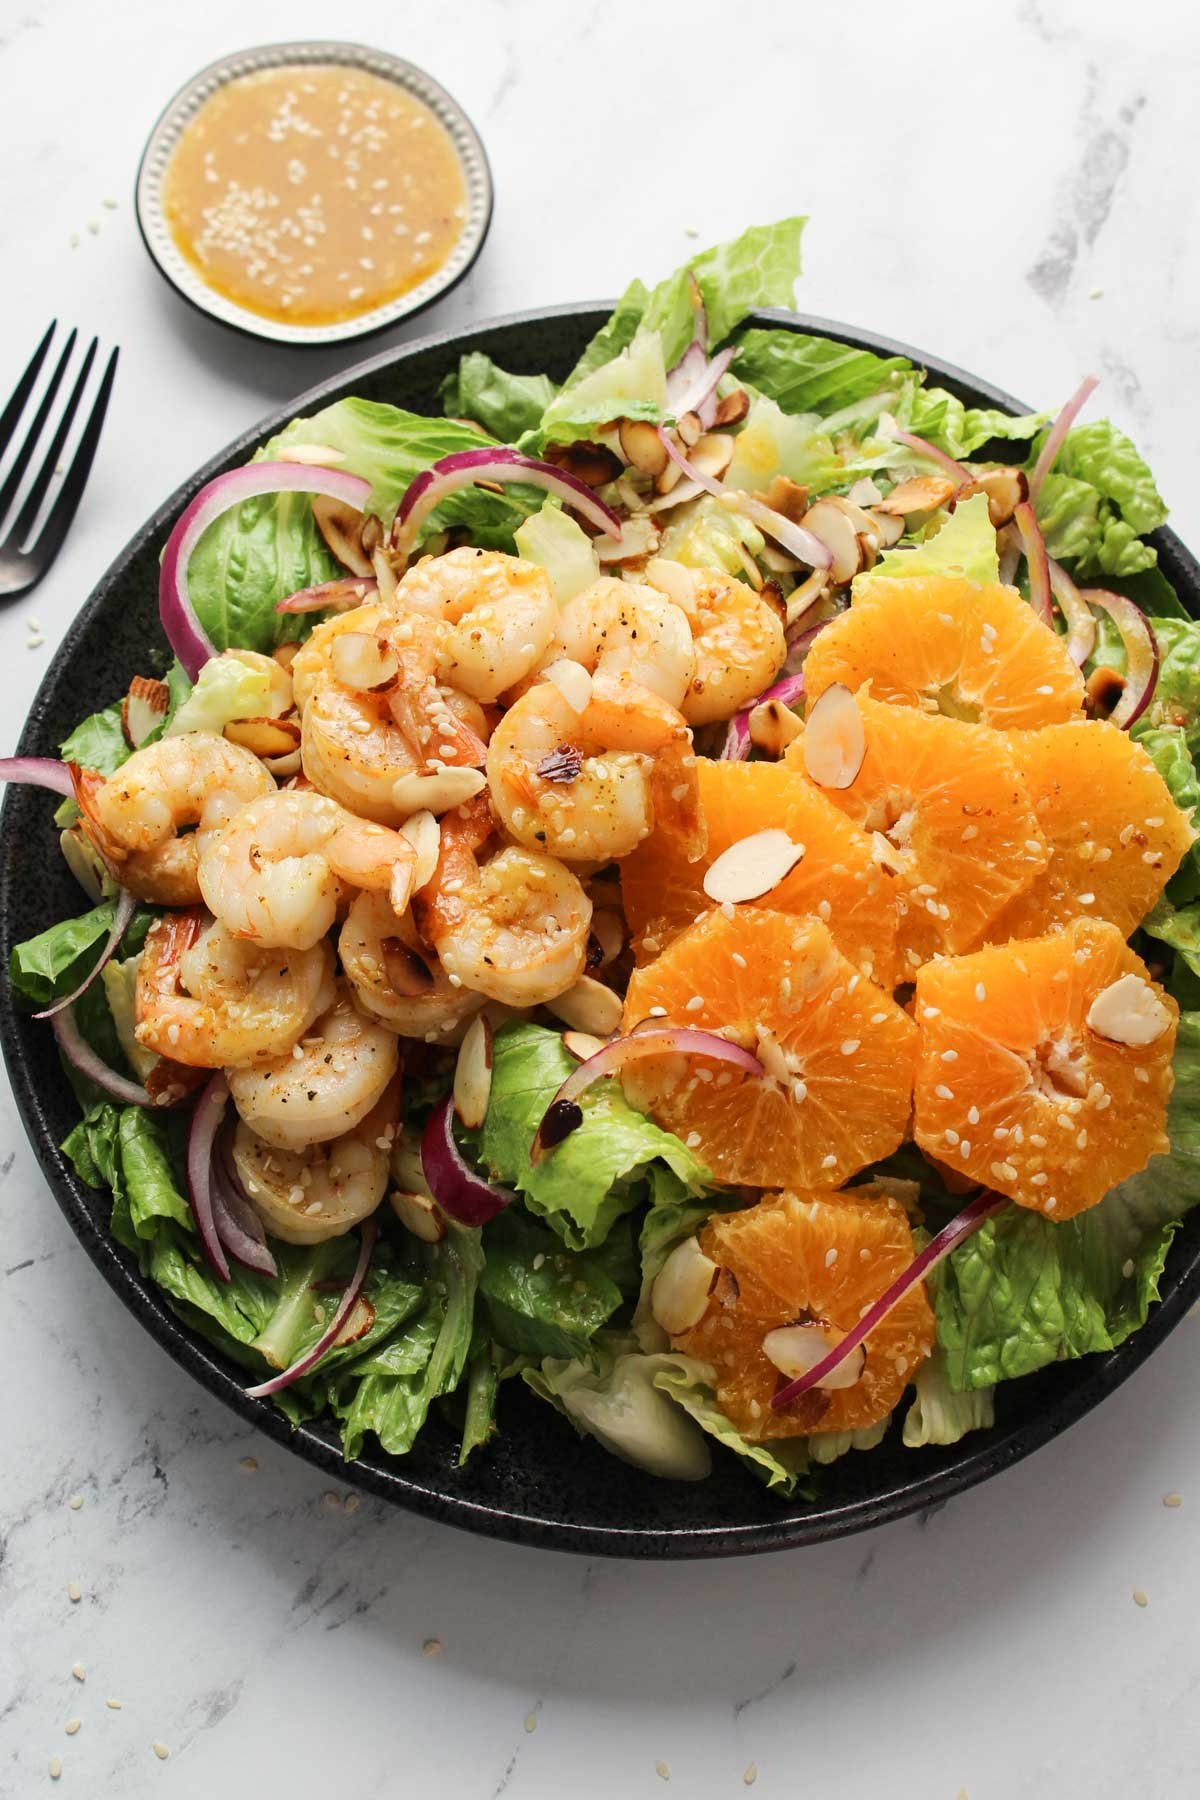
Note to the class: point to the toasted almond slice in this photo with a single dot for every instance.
(679, 1297)
(425, 835)
(1128, 1011)
(592, 463)
(267, 738)
(773, 726)
(674, 579)
(751, 867)
(732, 408)
(283, 767)
(320, 456)
(609, 933)
(582, 1045)
(342, 526)
(359, 1321)
(865, 492)
(361, 661)
(418, 1214)
(690, 429)
(795, 1349)
(712, 454)
(860, 520)
(639, 538)
(1005, 490)
(143, 708)
(437, 791)
(473, 1073)
(642, 446)
(835, 740)
(786, 496)
(572, 681)
(922, 493)
(802, 599)
(589, 1006)
(837, 533)
(890, 527)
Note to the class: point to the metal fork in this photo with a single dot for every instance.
(21, 568)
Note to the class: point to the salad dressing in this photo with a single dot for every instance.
(312, 195)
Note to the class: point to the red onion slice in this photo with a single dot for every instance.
(1141, 653)
(126, 907)
(205, 1123)
(81, 1056)
(700, 396)
(564, 1115)
(184, 632)
(454, 1184)
(1081, 620)
(466, 467)
(803, 544)
(737, 739)
(238, 1225)
(923, 447)
(342, 595)
(37, 771)
(1058, 433)
(981, 1209)
(1034, 546)
(332, 1331)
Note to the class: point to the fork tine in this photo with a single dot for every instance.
(63, 511)
(37, 493)
(25, 454)
(23, 389)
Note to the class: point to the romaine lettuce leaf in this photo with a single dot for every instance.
(825, 1447)
(553, 540)
(965, 545)
(939, 1414)
(1177, 926)
(780, 1463)
(706, 535)
(940, 416)
(226, 688)
(505, 405)
(98, 742)
(632, 386)
(540, 1299)
(1097, 501)
(807, 374)
(479, 1418)
(772, 442)
(1176, 697)
(47, 966)
(587, 1182)
(619, 330)
(673, 1215)
(618, 1401)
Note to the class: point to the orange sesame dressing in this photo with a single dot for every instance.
(312, 195)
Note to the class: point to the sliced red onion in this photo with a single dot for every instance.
(1008, 544)
(564, 1115)
(923, 447)
(1141, 653)
(800, 638)
(737, 739)
(342, 595)
(1081, 620)
(466, 467)
(205, 1123)
(458, 1190)
(81, 1056)
(1058, 431)
(37, 771)
(1034, 546)
(238, 1225)
(331, 1333)
(981, 1209)
(700, 396)
(803, 544)
(126, 907)
(184, 632)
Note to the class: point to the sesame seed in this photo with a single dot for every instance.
(431, 1647)
(658, 1012)
(1142, 1075)
(1140, 1597)
(692, 1140)
(75, 1502)
(751, 1774)
(74, 1592)
(943, 1092)
(1000, 1133)
(332, 1500)
(972, 1115)
(54, 1767)
(79, 1672)
(969, 832)
(1172, 1499)
(1045, 688)
(696, 1003)
(824, 910)
(113, 1705)
(931, 1012)
(878, 1018)
(1004, 1171)
(72, 1726)
(964, 1149)
(1038, 1180)
(829, 1162)
(850, 1045)
(1081, 1140)
(531, 1721)
(949, 1055)
(950, 1135)
(660, 1768)
(739, 959)
(1086, 899)
(160, 1750)
(980, 991)
(831, 1256)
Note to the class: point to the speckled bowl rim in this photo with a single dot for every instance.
(935, 1478)
(182, 108)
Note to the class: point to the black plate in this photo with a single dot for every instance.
(537, 1483)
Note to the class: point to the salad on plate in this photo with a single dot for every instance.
(676, 888)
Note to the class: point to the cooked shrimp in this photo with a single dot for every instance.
(137, 819)
(493, 617)
(624, 627)
(213, 1001)
(587, 786)
(344, 1063)
(515, 929)
(397, 978)
(353, 750)
(273, 872)
(739, 644)
(314, 658)
(305, 1196)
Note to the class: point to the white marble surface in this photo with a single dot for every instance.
(1009, 185)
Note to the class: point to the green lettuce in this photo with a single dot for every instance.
(553, 540)
(505, 405)
(780, 1463)
(226, 688)
(632, 386)
(47, 966)
(706, 535)
(1097, 501)
(1177, 926)
(1024, 1292)
(673, 1215)
(98, 742)
(807, 374)
(773, 442)
(617, 1400)
(1176, 698)
(940, 416)
(479, 1416)
(965, 545)
(252, 557)
(939, 1414)
(587, 1182)
(540, 1299)
(825, 1447)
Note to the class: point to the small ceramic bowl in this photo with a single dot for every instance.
(172, 264)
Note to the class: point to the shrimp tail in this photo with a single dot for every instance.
(87, 784)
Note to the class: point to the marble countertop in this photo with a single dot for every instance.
(1004, 185)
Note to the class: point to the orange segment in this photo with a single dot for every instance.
(954, 821)
(1017, 1090)
(799, 1257)
(1112, 828)
(946, 645)
(838, 1052)
(837, 878)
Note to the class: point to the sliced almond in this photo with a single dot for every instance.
(360, 661)
(593, 464)
(669, 478)
(676, 495)
(639, 538)
(385, 575)
(473, 1073)
(689, 429)
(833, 527)
(418, 1214)
(572, 681)
(341, 526)
(674, 579)
(143, 708)
(437, 791)
(787, 497)
(1005, 490)
(268, 738)
(835, 740)
(773, 726)
(609, 933)
(732, 408)
(712, 454)
(359, 1321)
(889, 526)
(795, 1349)
(582, 1045)
(589, 1006)
(802, 599)
(865, 492)
(679, 1296)
(286, 654)
(859, 519)
(283, 767)
(425, 835)
(642, 446)
(751, 867)
(922, 493)
(1128, 1011)
(320, 456)
(779, 561)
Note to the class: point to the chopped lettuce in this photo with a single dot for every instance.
(505, 405)
(773, 442)
(825, 1447)
(780, 1463)
(940, 416)
(807, 374)
(1177, 926)
(621, 1404)
(227, 687)
(939, 1414)
(98, 742)
(706, 535)
(965, 545)
(1097, 501)
(632, 386)
(539, 1298)
(1176, 697)
(589, 1180)
(47, 966)
(1024, 1292)
(555, 541)
(479, 1417)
